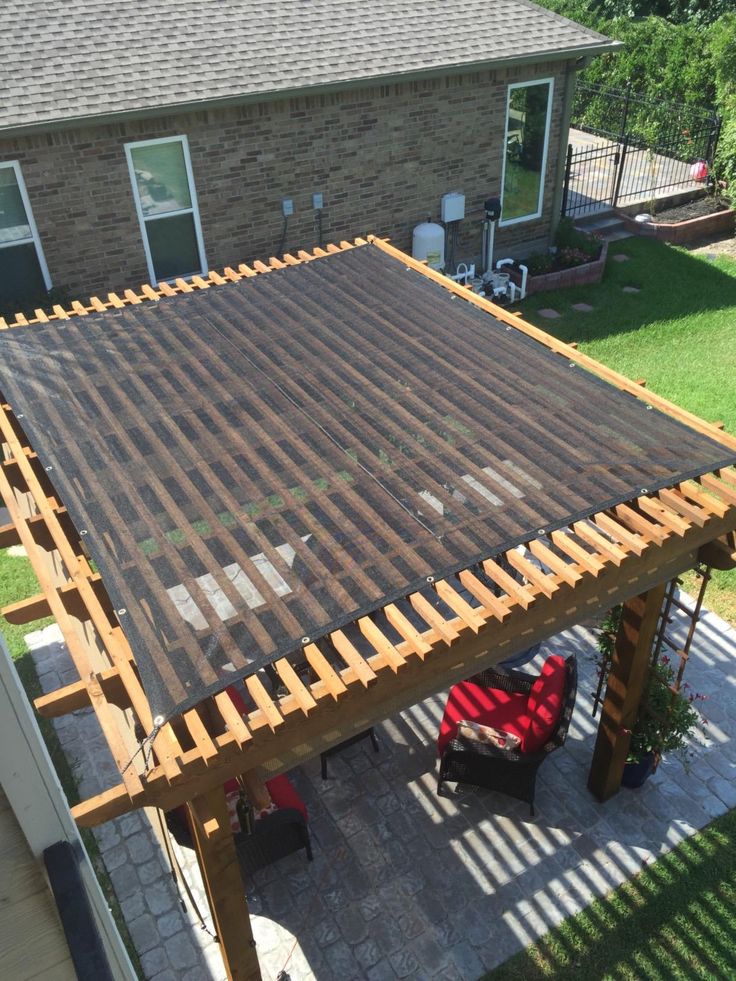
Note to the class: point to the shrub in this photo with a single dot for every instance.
(725, 169)
(666, 718)
(571, 239)
(539, 264)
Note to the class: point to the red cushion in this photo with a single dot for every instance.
(237, 699)
(488, 706)
(283, 794)
(545, 704)
(280, 788)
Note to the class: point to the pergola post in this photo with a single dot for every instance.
(218, 862)
(626, 680)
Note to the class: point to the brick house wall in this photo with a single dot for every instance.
(382, 156)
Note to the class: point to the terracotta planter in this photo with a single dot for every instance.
(590, 272)
(678, 232)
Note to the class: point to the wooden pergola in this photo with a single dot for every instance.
(624, 553)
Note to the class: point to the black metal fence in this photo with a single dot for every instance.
(644, 150)
(619, 113)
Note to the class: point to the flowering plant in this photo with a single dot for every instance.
(568, 257)
(572, 248)
(667, 715)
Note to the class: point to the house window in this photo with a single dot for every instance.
(166, 202)
(528, 114)
(23, 272)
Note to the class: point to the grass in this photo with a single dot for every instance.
(17, 582)
(677, 332)
(675, 921)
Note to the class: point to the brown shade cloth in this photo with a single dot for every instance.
(263, 462)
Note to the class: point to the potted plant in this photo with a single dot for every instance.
(667, 717)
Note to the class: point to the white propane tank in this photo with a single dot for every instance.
(428, 243)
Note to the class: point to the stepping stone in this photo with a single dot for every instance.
(620, 257)
(629, 289)
(582, 307)
(549, 314)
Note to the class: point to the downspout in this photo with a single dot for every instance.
(573, 67)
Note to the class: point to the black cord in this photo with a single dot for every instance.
(180, 879)
(318, 220)
(282, 244)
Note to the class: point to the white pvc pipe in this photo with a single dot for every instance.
(524, 274)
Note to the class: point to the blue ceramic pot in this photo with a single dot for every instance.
(635, 774)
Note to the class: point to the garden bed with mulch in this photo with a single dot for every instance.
(555, 278)
(686, 222)
(687, 210)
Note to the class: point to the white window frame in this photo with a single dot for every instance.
(543, 175)
(34, 238)
(193, 210)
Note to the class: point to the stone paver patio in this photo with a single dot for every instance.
(407, 884)
(596, 176)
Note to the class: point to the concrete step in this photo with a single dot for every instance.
(608, 227)
(602, 223)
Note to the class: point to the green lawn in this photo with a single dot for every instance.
(17, 582)
(678, 332)
(675, 921)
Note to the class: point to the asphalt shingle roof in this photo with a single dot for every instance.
(66, 59)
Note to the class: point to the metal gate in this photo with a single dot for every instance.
(591, 177)
(649, 155)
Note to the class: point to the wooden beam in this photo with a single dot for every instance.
(357, 708)
(626, 681)
(218, 862)
(76, 696)
(27, 610)
(720, 554)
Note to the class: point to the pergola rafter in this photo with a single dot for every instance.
(563, 577)
(605, 558)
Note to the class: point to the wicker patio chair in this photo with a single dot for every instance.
(508, 771)
(275, 836)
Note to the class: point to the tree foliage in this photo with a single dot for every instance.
(677, 11)
(675, 51)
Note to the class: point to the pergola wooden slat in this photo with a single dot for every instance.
(569, 575)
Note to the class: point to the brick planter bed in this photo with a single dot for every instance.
(589, 272)
(679, 232)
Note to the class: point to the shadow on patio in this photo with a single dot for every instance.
(408, 884)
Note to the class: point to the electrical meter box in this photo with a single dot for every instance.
(452, 207)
